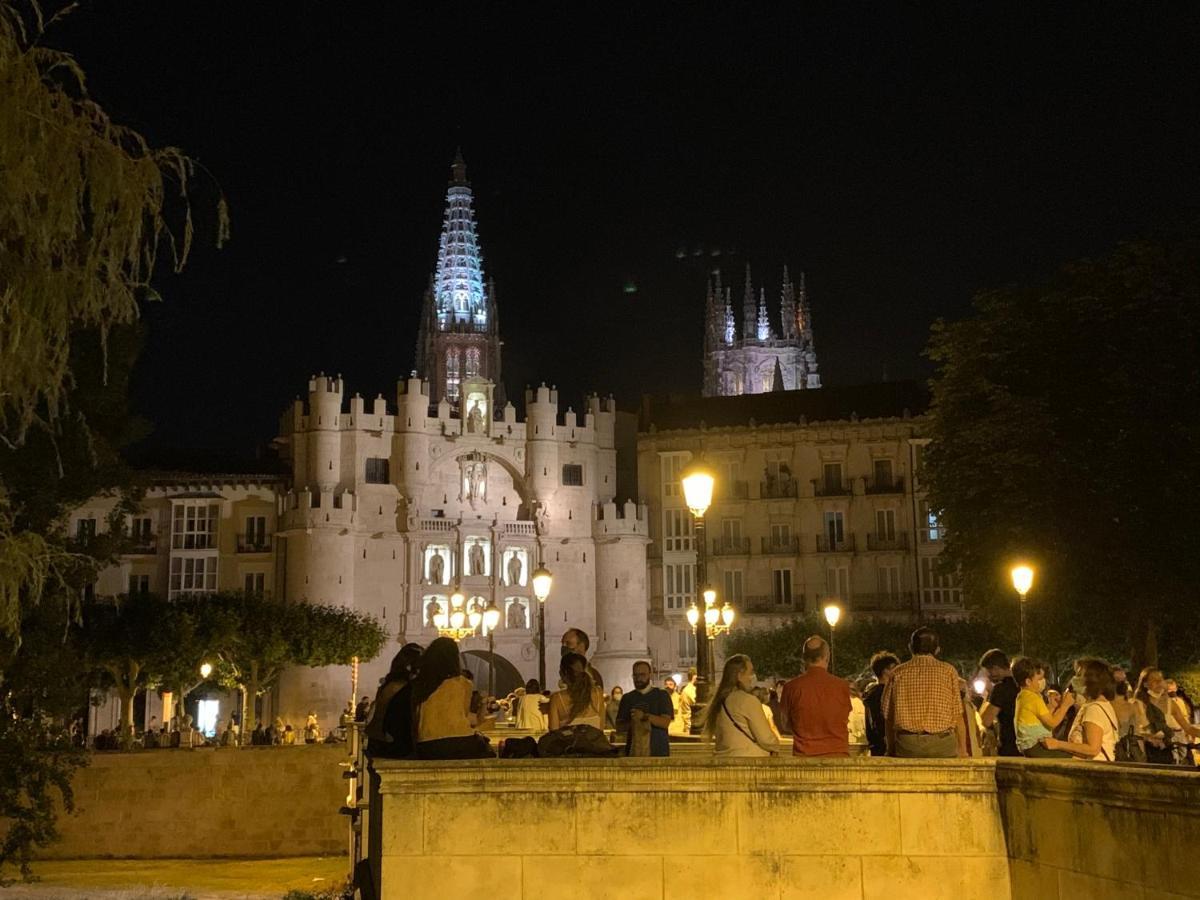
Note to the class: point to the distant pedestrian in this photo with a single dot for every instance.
(361, 710)
(529, 711)
(612, 707)
(817, 705)
(735, 721)
(882, 664)
(676, 716)
(687, 699)
(922, 704)
(1001, 704)
(646, 706)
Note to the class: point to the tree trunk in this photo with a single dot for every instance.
(1144, 649)
(249, 696)
(127, 697)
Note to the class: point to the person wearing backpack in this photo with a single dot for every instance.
(1094, 732)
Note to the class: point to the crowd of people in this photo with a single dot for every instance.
(920, 707)
(181, 733)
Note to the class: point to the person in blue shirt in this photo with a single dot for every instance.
(646, 702)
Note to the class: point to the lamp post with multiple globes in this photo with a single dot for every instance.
(457, 622)
(698, 482)
(491, 618)
(1022, 579)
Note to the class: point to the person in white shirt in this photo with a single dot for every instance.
(1094, 732)
(687, 699)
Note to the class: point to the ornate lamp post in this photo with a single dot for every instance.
(491, 618)
(457, 623)
(541, 580)
(833, 613)
(698, 482)
(1022, 579)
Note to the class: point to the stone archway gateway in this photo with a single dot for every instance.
(508, 678)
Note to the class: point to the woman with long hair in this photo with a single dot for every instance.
(735, 721)
(1093, 734)
(580, 702)
(441, 701)
(389, 727)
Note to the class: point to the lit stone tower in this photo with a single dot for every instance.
(761, 360)
(459, 336)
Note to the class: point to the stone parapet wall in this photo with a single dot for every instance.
(855, 828)
(1085, 830)
(256, 801)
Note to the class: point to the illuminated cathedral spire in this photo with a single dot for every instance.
(459, 335)
(763, 326)
(749, 312)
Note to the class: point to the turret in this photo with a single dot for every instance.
(324, 435)
(787, 307)
(541, 425)
(621, 535)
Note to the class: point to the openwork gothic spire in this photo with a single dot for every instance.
(458, 293)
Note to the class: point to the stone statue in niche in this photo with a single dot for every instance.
(515, 569)
(516, 617)
(437, 569)
(541, 517)
(432, 608)
(475, 418)
(475, 482)
(478, 559)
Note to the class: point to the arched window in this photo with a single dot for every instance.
(472, 362)
(453, 372)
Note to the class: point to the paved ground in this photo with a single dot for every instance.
(177, 879)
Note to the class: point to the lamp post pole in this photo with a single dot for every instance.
(1022, 579)
(542, 643)
(704, 654)
(833, 612)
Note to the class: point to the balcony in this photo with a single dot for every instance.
(254, 543)
(826, 544)
(894, 486)
(901, 601)
(730, 546)
(777, 489)
(733, 490)
(142, 545)
(760, 604)
(195, 541)
(789, 546)
(897, 540)
(823, 488)
(933, 535)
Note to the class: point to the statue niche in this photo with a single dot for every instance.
(474, 479)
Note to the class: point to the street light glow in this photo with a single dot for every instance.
(833, 612)
(491, 616)
(693, 615)
(697, 484)
(542, 579)
(205, 669)
(1022, 579)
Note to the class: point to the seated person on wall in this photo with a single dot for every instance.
(764, 697)
(529, 710)
(441, 701)
(389, 727)
(580, 702)
(1032, 719)
(645, 707)
(817, 705)
(882, 665)
(735, 721)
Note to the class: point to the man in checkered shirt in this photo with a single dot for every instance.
(922, 704)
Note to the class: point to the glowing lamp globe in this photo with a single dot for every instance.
(697, 484)
(491, 616)
(205, 670)
(712, 615)
(1022, 579)
(693, 615)
(458, 617)
(833, 613)
(710, 596)
(440, 618)
(542, 580)
(727, 615)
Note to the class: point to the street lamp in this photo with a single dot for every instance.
(541, 580)
(205, 669)
(491, 618)
(833, 613)
(1022, 579)
(697, 482)
(457, 622)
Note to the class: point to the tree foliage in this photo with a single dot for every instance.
(1065, 431)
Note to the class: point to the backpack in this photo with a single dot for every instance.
(575, 740)
(519, 748)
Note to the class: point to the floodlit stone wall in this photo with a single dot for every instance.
(832, 829)
(158, 804)
(1079, 830)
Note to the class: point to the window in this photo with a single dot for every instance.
(453, 373)
(931, 529)
(730, 474)
(193, 575)
(679, 580)
(731, 530)
(677, 529)
(782, 580)
(837, 582)
(831, 476)
(377, 470)
(472, 362)
(256, 531)
(834, 528)
(85, 529)
(687, 645)
(734, 581)
(142, 531)
(572, 475)
(194, 526)
(139, 585)
(885, 524)
(781, 534)
(938, 588)
(768, 381)
(889, 581)
(255, 584)
(672, 466)
(882, 470)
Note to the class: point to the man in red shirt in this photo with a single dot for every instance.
(817, 705)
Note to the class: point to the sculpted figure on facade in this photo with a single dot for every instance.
(478, 559)
(437, 569)
(516, 617)
(515, 568)
(475, 418)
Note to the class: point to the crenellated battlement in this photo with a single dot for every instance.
(630, 519)
(309, 509)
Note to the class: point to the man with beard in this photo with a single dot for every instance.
(646, 704)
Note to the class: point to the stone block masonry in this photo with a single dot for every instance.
(252, 802)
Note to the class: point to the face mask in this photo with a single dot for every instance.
(565, 650)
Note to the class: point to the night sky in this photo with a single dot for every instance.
(902, 158)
